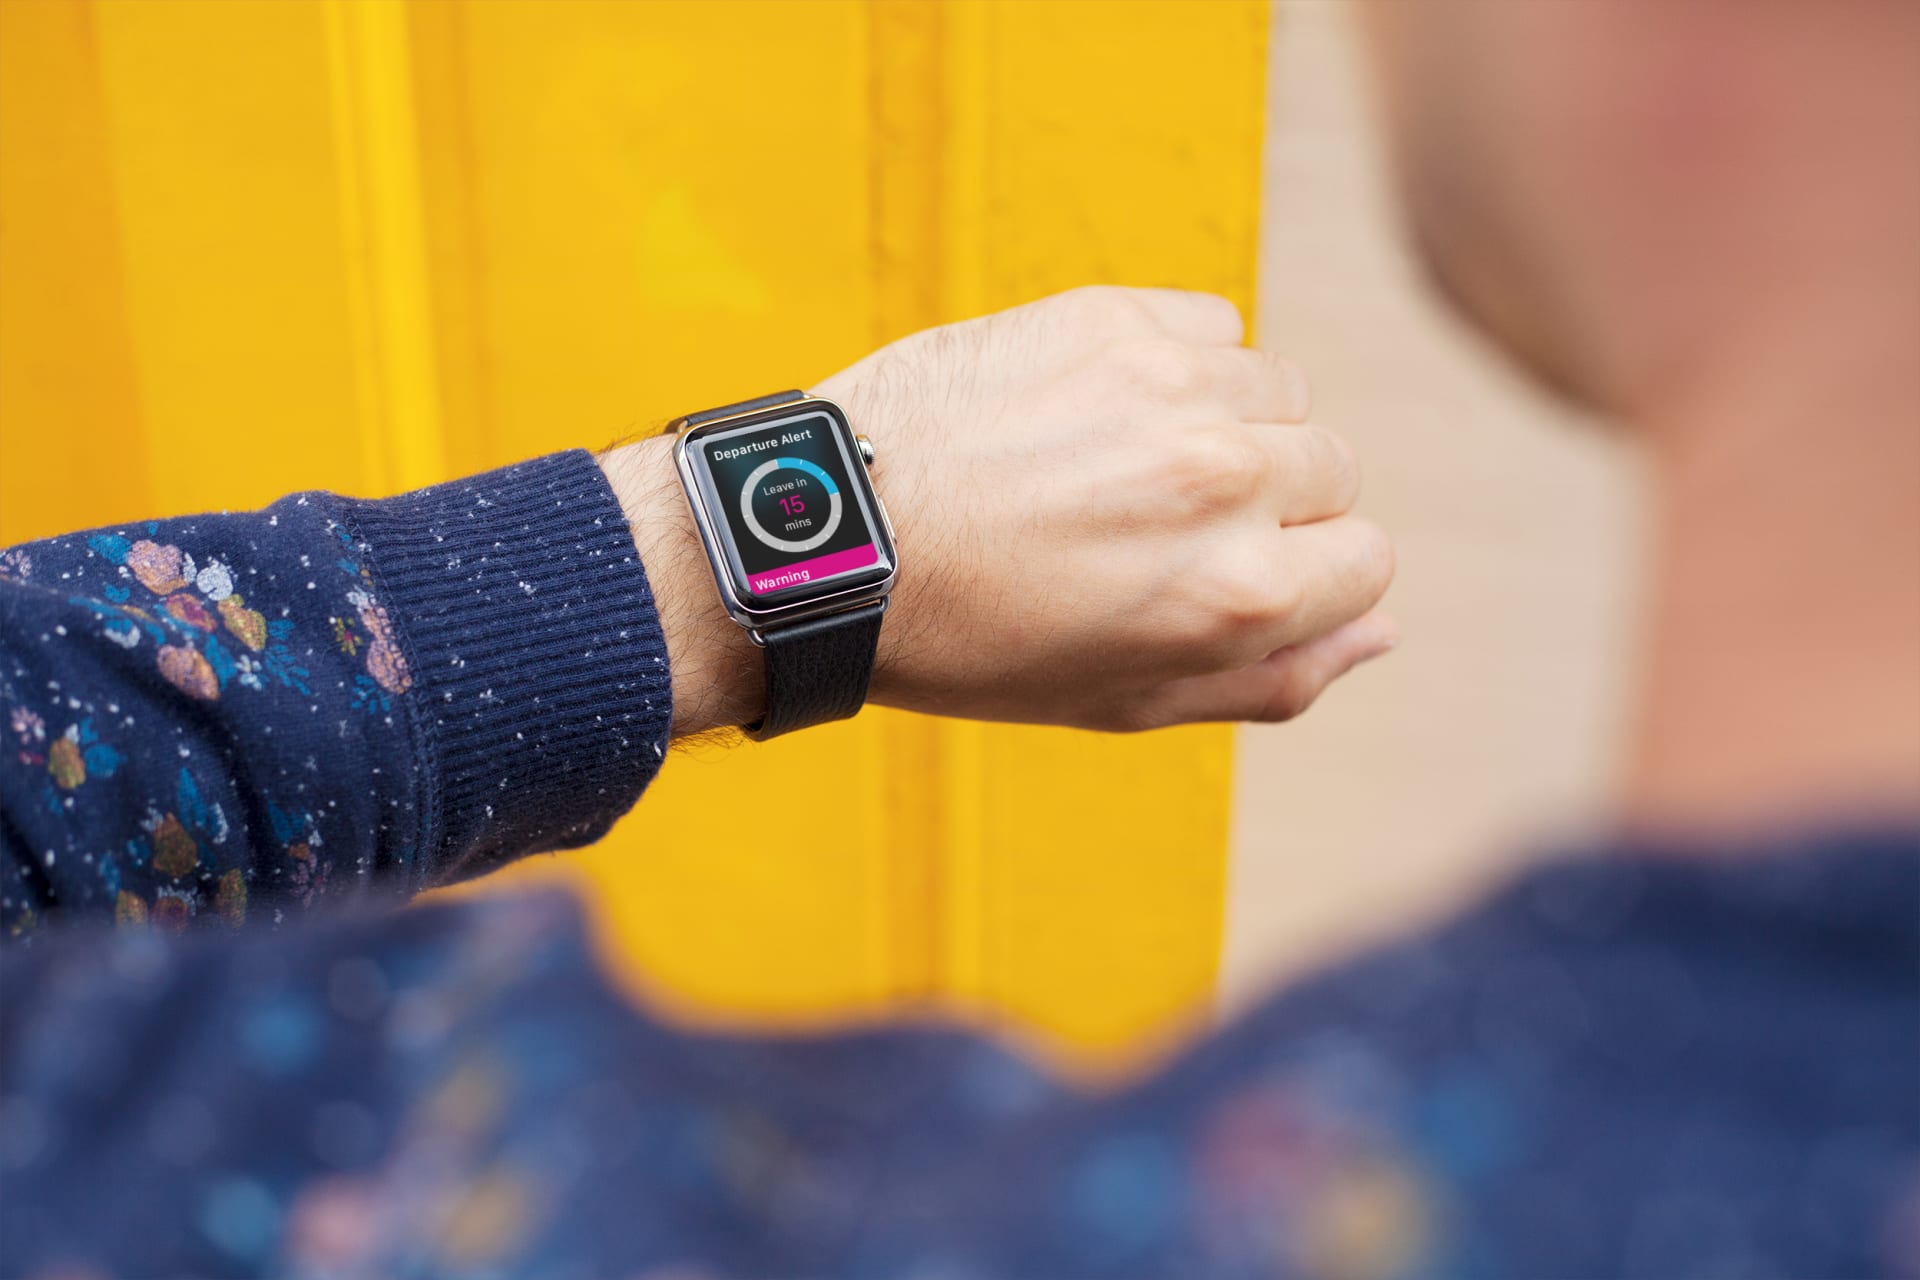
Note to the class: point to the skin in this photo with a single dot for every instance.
(1696, 219)
(1148, 536)
(1701, 221)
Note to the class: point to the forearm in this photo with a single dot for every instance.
(234, 713)
(1107, 513)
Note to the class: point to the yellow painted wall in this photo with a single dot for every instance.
(356, 244)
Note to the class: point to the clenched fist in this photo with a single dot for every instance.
(1108, 514)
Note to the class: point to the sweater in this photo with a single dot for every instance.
(237, 739)
(230, 715)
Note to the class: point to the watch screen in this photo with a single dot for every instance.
(797, 515)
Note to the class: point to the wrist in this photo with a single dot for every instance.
(856, 390)
(718, 677)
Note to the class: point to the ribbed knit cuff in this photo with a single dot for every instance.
(540, 693)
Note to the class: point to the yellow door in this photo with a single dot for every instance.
(357, 244)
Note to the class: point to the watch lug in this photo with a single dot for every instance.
(727, 413)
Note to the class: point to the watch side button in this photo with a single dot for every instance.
(866, 449)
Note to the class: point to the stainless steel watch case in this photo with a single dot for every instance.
(715, 533)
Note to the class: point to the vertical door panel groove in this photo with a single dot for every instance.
(362, 244)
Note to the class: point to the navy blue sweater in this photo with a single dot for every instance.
(1634, 1061)
(257, 712)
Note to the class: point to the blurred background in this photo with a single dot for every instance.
(252, 247)
(1490, 735)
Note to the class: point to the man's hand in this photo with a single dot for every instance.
(1106, 513)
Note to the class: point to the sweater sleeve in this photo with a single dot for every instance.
(245, 713)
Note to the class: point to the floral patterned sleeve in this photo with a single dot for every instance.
(227, 715)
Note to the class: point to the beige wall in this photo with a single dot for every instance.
(1497, 722)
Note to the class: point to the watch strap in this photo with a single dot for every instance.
(818, 670)
(743, 407)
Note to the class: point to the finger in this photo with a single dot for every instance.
(1203, 318)
(1300, 474)
(1257, 385)
(1317, 476)
(1329, 573)
(1281, 685)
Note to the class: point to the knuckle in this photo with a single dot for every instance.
(1162, 369)
(1242, 599)
(1220, 316)
(1131, 715)
(1293, 391)
(1337, 456)
(1229, 311)
(1375, 552)
(1099, 306)
(1214, 468)
(1251, 466)
(1286, 599)
(1289, 701)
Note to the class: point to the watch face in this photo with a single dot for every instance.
(798, 513)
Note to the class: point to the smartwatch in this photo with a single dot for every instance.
(801, 548)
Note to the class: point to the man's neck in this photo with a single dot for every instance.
(1782, 671)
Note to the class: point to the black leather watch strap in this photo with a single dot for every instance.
(818, 670)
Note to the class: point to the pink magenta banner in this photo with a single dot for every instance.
(813, 570)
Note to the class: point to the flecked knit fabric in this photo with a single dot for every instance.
(1678, 1064)
(1629, 1065)
(217, 716)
